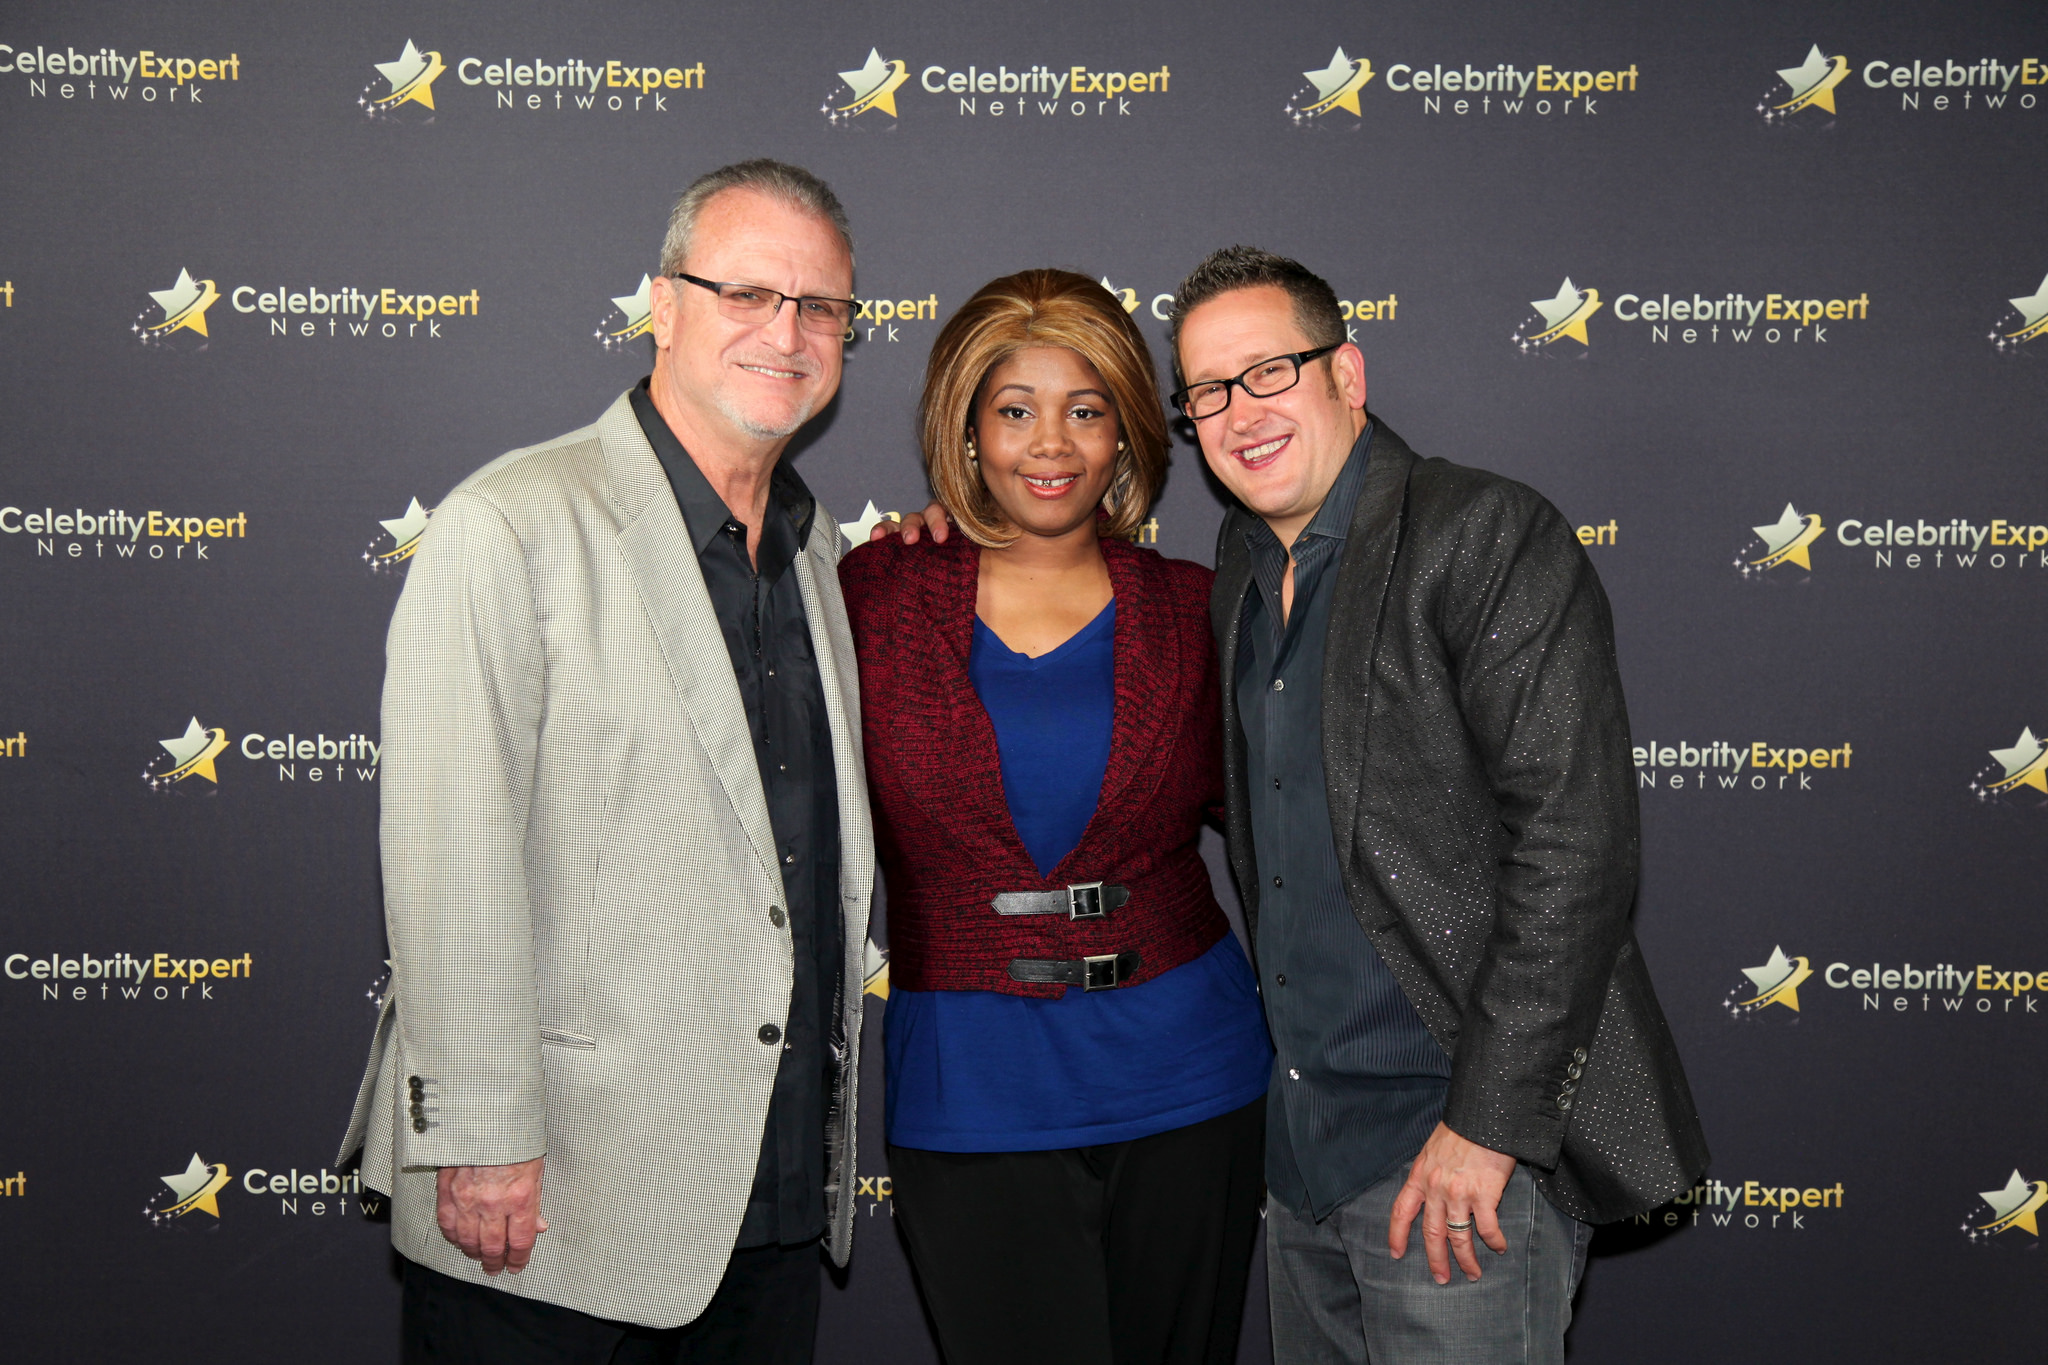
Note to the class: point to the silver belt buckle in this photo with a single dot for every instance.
(1099, 973)
(1084, 901)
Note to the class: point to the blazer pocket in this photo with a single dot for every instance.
(564, 1038)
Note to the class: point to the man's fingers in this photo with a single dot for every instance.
(1407, 1204)
(1435, 1243)
(1487, 1224)
(1461, 1248)
(469, 1234)
(492, 1241)
(520, 1231)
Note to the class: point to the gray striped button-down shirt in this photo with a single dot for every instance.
(1358, 1083)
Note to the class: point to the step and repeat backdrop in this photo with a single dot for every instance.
(1757, 295)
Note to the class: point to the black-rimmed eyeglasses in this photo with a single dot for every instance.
(1263, 380)
(758, 305)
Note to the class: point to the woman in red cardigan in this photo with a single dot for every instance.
(1077, 1063)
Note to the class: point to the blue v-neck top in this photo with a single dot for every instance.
(978, 1071)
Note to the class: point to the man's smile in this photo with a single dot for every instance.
(1261, 455)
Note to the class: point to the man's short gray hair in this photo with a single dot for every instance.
(791, 185)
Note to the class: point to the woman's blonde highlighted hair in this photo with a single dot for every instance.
(1040, 308)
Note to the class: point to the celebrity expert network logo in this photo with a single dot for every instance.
(1788, 540)
(196, 754)
(101, 75)
(1950, 545)
(1034, 90)
(1775, 982)
(392, 552)
(1557, 318)
(556, 84)
(868, 87)
(1459, 89)
(2012, 1209)
(342, 312)
(407, 79)
(192, 1190)
(1966, 990)
(180, 308)
(631, 317)
(2025, 764)
(190, 755)
(1334, 87)
(1750, 1205)
(1810, 85)
(2027, 320)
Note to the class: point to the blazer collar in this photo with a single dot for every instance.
(658, 553)
(1363, 577)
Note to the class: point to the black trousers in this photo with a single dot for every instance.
(1134, 1253)
(765, 1312)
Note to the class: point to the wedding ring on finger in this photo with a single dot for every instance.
(1465, 1226)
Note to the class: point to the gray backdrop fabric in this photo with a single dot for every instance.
(1752, 293)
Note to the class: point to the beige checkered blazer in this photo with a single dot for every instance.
(578, 874)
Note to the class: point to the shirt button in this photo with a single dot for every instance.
(1280, 978)
(1279, 684)
(788, 857)
(1276, 784)
(1292, 1074)
(771, 672)
(1278, 882)
(782, 767)
(776, 917)
(770, 1034)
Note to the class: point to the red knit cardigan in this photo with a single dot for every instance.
(942, 824)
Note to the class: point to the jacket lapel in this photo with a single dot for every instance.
(943, 738)
(1147, 670)
(1363, 576)
(656, 545)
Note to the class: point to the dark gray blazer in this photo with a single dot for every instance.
(1482, 796)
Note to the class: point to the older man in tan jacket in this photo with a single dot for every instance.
(626, 845)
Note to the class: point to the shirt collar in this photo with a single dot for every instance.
(1332, 520)
(704, 512)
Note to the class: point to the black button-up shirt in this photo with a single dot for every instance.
(761, 614)
(1358, 1082)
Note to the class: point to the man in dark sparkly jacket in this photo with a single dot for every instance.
(1432, 820)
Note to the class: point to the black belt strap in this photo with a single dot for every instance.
(1082, 900)
(1089, 973)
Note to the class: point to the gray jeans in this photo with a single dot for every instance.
(1339, 1298)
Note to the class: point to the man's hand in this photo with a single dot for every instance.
(492, 1212)
(1452, 1181)
(932, 519)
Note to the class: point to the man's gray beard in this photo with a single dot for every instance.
(760, 431)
